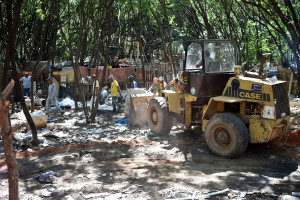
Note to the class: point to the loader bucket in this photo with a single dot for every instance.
(138, 108)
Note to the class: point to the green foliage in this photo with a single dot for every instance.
(258, 29)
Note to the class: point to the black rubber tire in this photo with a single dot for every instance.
(159, 118)
(226, 135)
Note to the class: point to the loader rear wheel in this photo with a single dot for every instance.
(226, 135)
(159, 118)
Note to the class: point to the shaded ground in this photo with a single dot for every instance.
(123, 163)
(158, 171)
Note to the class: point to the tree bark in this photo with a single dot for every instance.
(202, 11)
(277, 17)
(41, 50)
(7, 136)
(159, 24)
(12, 37)
(109, 31)
(163, 3)
(75, 63)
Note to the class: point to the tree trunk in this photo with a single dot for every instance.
(38, 61)
(109, 31)
(140, 42)
(12, 37)
(163, 3)
(75, 63)
(210, 30)
(7, 135)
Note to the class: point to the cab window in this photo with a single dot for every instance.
(219, 57)
(194, 56)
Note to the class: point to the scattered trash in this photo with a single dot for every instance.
(187, 163)
(93, 195)
(155, 138)
(46, 177)
(296, 194)
(100, 120)
(46, 194)
(45, 143)
(200, 150)
(152, 136)
(100, 130)
(67, 102)
(51, 126)
(96, 136)
(188, 195)
(29, 133)
(131, 189)
(69, 197)
(51, 189)
(105, 107)
(37, 113)
(287, 197)
(165, 142)
(122, 121)
(216, 193)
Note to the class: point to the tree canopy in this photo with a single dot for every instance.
(76, 29)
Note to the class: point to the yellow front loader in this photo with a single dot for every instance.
(233, 110)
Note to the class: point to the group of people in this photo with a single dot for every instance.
(51, 99)
(115, 90)
(158, 83)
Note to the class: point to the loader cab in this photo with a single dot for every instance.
(207, 67)
(210, 56)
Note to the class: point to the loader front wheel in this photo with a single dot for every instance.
(159, 118)
(226, 135)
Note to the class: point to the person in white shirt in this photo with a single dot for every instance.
(26, 84)
(51, 100)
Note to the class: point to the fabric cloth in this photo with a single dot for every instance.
(95, 89)
(134, 84)
(26, 91)
(26, 81)
(115, 103)
(154, 87)
(114, 89)
(104, 94)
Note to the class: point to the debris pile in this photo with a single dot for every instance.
(71, 128)
(175, 193)
(46, 177)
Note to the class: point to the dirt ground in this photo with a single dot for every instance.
(179, 167)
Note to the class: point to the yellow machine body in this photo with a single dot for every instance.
(254, 102)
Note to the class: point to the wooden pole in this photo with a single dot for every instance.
(290, 84)
(130, 59)
(137, 54)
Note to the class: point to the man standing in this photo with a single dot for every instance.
(26, 84)
(132, 82)
(115, 89)
(51, 100)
